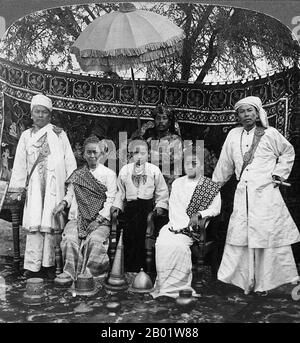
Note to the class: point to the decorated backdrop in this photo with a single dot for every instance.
(88, 104)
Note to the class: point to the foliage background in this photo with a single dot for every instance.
(221, 43)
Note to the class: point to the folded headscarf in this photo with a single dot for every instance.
(256, 102)
(42, 100)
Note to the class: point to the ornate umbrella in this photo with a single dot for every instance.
(125, 39)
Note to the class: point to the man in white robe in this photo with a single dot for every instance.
(172, 250)
(50, 147)
(257, 255)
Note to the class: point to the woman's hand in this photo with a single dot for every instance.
(93, 226)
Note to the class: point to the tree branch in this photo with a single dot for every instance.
(86, 7)
(34, 38)
(68, 21)
(212, 54)
(201, 23)
(252, 59)
(190, 40)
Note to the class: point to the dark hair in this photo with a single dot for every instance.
(91, 139)
(160, 109)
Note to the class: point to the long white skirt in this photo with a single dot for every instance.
(257, 269)
(173, 264)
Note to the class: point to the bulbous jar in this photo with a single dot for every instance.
(185, 301)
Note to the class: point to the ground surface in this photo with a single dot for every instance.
(218, 302)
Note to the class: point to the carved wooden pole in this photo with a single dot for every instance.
(201, 250)
(113, 238)
(15, 218)
(60, 224)
(150, 242)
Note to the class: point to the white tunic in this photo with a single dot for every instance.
(155, 186)
(268, 222)
(60, 164)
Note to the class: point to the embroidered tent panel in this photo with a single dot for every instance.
(83, 103)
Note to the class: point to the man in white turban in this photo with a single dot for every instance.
(43, 161)
(257, 255)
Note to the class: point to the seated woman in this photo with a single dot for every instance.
(193, 197)
(165, 145)
(90, 193)
(142, 186)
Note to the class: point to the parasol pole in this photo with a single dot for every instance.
(136, 101)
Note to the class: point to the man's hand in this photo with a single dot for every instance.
(276, 178)
(116, 210)
(194, 221)
(159, 211)
(59, 208)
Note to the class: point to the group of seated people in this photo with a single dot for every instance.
(45, 165)
(94, 192)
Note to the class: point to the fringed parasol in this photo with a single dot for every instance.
(125, 39)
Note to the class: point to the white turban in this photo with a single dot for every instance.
(256, 102)
(42, 100)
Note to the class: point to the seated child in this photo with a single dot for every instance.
(90, 193)
(193, 197)
(142, 186)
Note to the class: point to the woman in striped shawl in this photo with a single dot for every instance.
(90, 193)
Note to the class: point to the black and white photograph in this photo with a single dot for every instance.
(150, 165)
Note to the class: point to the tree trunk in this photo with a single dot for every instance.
(191, 39)
(212, 51)
(186, 58)
(212, 54)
